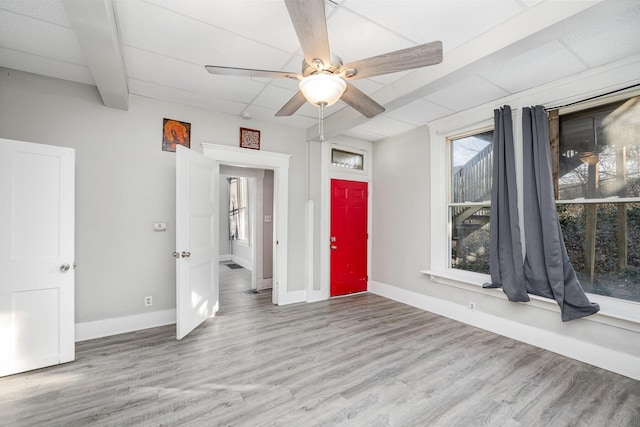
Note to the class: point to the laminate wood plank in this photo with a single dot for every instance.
(352, 361)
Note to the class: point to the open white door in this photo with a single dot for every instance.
(196, 239)
(36, 256)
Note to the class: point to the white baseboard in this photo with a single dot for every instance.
(120, 325)
(611, 360)
(224, 257)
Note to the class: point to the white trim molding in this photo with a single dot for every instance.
(120, 325)
(602, 357)
(279, 163)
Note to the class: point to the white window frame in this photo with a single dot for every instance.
(449, 140)
(613, 311)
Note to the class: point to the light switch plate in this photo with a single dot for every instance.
(160, 226)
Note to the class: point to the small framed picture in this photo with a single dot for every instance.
(249, 138)
(175, 133)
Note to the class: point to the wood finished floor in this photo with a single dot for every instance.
(355, 361)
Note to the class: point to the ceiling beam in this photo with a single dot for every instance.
(94, 23)
(460, 60)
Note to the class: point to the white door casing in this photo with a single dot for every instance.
(279, 163)
(197, 293)
(37, 185)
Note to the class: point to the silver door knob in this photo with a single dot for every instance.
(65, 267)
(333, 247)
(186, 254)
(176, 255)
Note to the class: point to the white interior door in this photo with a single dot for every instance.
(36, 256)
(196, 239)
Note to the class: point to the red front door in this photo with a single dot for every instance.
(348, 237)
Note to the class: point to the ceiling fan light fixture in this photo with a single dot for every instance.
(322, 89)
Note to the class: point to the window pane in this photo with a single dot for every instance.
(600, 152)
(609, 234)
(470, 238)
(346, 159)
(243, 211)
(471, 167)
(238, 209)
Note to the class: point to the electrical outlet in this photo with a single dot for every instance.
(148, 301)
(472, 306)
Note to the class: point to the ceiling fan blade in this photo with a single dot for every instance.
(361, 102)
(292, 105)
(250, 72)
(310, 22)
(399, 60)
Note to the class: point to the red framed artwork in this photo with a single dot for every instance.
(175, 133)
(249, 138)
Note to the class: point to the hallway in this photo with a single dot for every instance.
(235, 291)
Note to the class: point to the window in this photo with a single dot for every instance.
(471, 164)
(346, 159)
(597, 186)
(238, 209)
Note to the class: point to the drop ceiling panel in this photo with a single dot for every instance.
(367, 86)
(453, 22)
(170, 72)
(266, 114)
(191, 40)
(179, 96)
(389, 78)
(607, 34)
(418, 112)
(352, 37)
(51, 11)
(360, 134)
(467, 93)
(39, 38)
(263, 21)
(274, 97)
(384, 126)
(538, 66)
(48, 67)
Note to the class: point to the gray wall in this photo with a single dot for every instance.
(125, 183)
(400, 229)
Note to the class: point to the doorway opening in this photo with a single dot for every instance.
(279, 164)
(246, 201)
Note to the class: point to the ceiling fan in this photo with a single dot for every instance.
(324, 78)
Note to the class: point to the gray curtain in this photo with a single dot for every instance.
(547, 270)
(505, 247)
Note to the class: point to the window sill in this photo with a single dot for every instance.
(613, 312)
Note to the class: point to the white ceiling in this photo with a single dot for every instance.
(492, 48)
